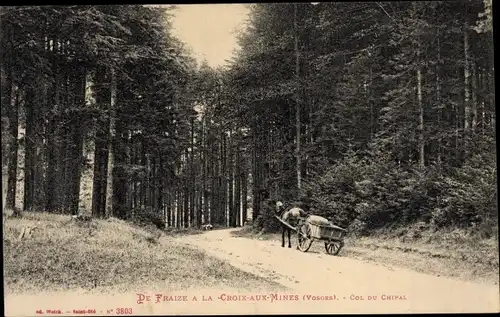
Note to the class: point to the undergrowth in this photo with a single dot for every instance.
(63, 254)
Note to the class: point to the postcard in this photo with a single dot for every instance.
(259, 158)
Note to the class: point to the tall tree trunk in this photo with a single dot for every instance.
(438, 101)
(164, 197)
(147, 183)
(64, 148)
(156, 196)
(229, 182)
(212, 187)
(69, 145)
(13, 149)
(232, 188)
(53, 118)
(127, 151)
(371, 101)
(101, 152)
(78, 140)
(421, 143)
(222, 182)
(225, 182)
(204, 172)
(100, 172)
(186, 189)
(297, 98)
(178, 213)
(59, 132)
(221, 206)
(51, 146)
(217, 184)
(29, 150)
(185, 208)
(170, 202)
(6, 100)
(237, 192)
(110, 192)
(482, 108)
(244, 194)
(202, 208)
(144, 179)
(159, 189)
(133, 159)
(457, 143)
(467, 110)
(121, 185)
(40, 153)
(255, 181)
(489, 101)
(193, 213)
(474, 96)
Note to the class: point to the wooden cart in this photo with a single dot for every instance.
(307, 232)
(332, 235)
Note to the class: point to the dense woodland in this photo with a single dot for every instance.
(377, 113)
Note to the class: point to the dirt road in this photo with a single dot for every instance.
(345, 285)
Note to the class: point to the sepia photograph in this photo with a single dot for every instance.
(249, 158)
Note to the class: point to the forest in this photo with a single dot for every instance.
(379, 114)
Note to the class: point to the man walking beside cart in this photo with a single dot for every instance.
(309, 227)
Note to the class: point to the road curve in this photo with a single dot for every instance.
(357, 286)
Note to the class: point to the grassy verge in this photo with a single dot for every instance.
(452, 253)
(64, 254)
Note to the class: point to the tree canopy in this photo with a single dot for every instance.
(379, 113)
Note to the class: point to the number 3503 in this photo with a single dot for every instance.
(124, 311)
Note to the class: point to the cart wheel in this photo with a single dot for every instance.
(333, 247)
(304, 237)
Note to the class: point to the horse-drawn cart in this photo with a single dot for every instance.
(309, 230)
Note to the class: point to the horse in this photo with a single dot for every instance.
(291, 217)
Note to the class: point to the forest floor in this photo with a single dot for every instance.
(60, 256)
